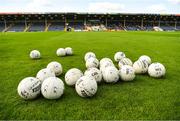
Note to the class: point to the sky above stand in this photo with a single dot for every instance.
(92, 6)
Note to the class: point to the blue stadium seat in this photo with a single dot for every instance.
(37, 26)
(17, 27)
(2, 26)
(56, 26)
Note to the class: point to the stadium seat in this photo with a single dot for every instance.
(2, 26)
(56, 26)
(17, 27)
(37, 26)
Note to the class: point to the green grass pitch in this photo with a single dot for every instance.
(144, 98)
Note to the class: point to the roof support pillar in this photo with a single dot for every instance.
(85, 21)
(45, 21)
(159, 24)
(124, 22)
(5, 24)
(142, 22)
(65, 22)
(25, 23)
(106, 23)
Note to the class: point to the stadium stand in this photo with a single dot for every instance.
(17, 27)
(167, 25)
(78, 26)
(56, 26)
(2, 26)
(37, 26)
(115, 25)
(132, 27)
(15, 22)
(178, 28)
(168, 28)
(8, 25)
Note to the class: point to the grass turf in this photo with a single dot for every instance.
(144, 98)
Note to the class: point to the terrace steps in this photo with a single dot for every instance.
(47, 27)
(7, 28)
(27, 28)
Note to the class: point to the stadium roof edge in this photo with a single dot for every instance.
(19, 13)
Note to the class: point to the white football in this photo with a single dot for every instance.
(156, 70)
(44, 74)
(89, 55)
(72, 76)
(127, 73)
(92, 62)
(95, 73)
(111, 74)
(104, 65)
(69, 51)
(105, 60)
(86, 86)
(125, 61)
(145, 58)
(61, 52)
(52, 88)
(55, 67)
(140, 67)
(118, 56)
(29, 88)
(35, 54)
